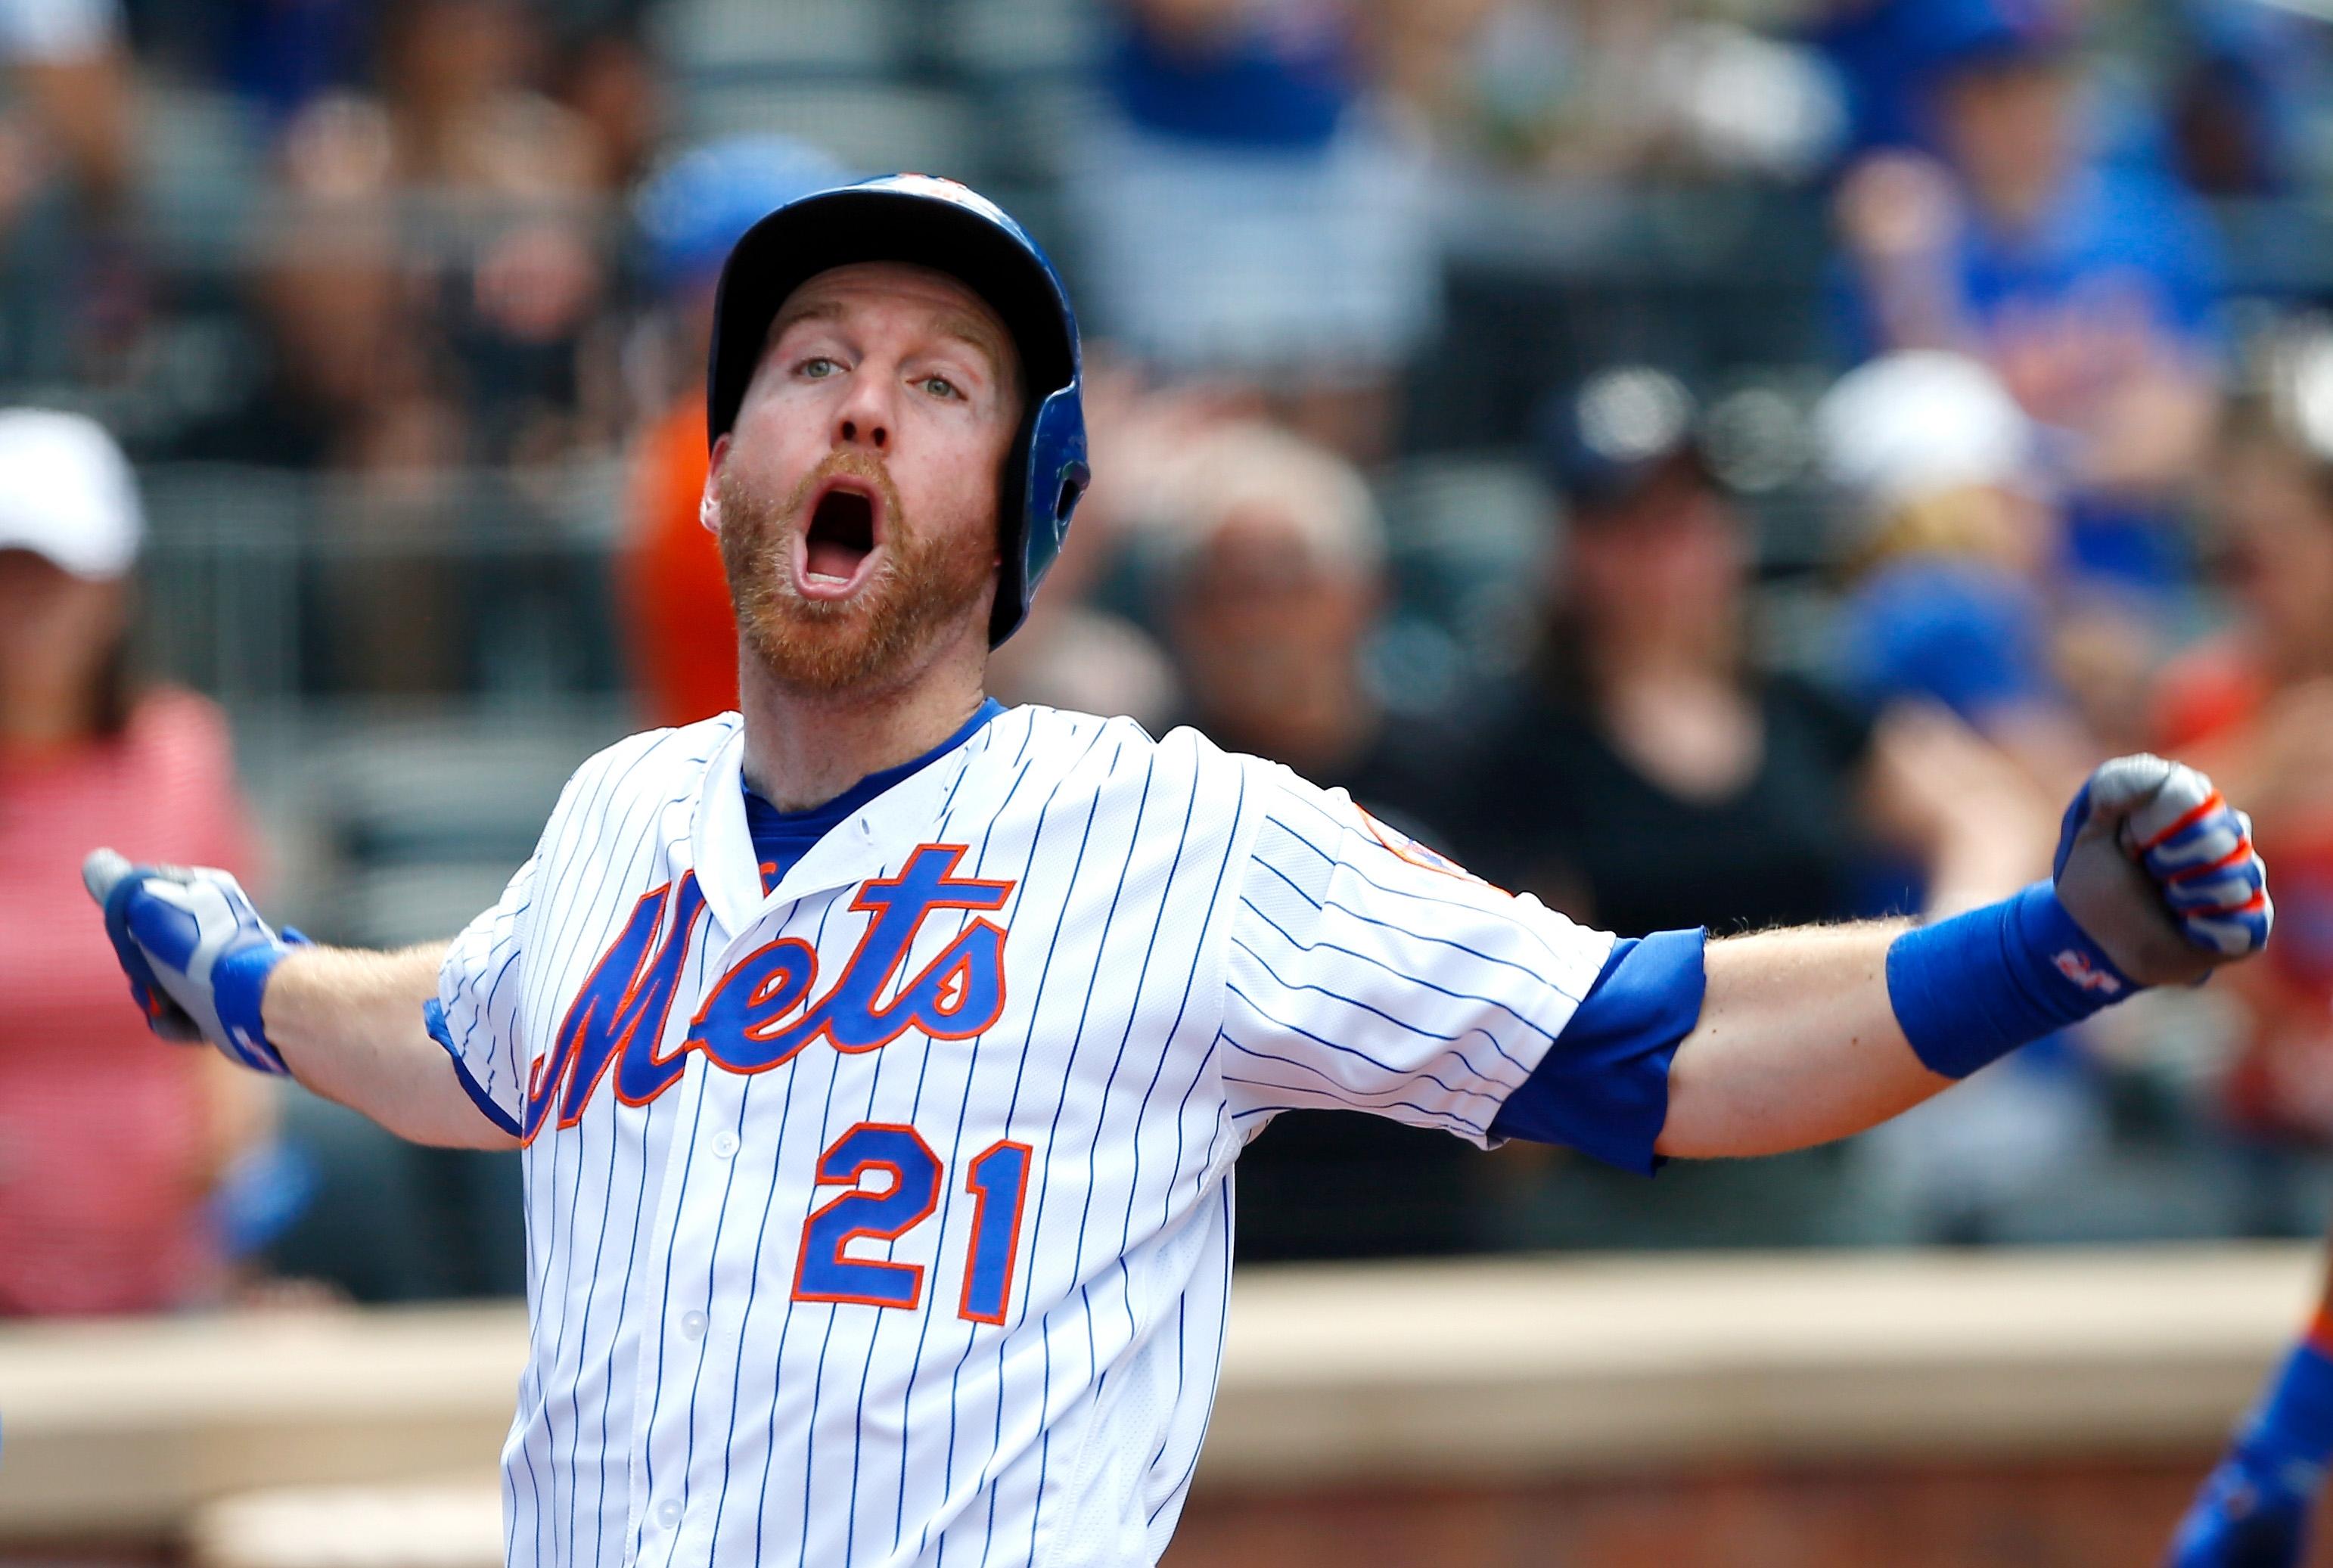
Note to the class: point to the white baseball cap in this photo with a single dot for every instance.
(67, 494)
(1920, 423)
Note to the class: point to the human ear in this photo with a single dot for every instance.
(709, 503)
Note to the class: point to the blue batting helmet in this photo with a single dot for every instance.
(943, 225)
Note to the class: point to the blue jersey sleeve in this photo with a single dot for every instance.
(1603, 1086)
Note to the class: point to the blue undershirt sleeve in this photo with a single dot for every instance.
(1603, 1086)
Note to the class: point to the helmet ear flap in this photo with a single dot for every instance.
(1052, 480)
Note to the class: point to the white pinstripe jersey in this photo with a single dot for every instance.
(886, 1217)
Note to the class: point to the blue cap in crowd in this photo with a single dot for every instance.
(694, 209)
(1601, 442)
(1975, 34)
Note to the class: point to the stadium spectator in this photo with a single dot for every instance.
(1948, 535)
(2256, 702)
(611, 78)
(1248, 213)
(1950, 539)
(1618, 90)
(72, 91)
(73, 291)
(431, 296)
(1271, 563)
(470, 126)
(1649, 776)
(1072, 651)
(430, 317)
(109, 1148)
(679, 636)
(2089, 286)
(2245, 84)
(1271, 575)
(345, 372)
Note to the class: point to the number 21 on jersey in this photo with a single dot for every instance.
(998, 1179)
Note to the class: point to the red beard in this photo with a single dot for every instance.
(920, 584)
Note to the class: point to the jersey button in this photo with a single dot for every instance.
(668, 1512)
(724, 1145)
(692, 1324)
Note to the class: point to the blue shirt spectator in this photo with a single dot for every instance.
(2088, 286)
(1964, 633)
(1280, 80)
(1250, 219)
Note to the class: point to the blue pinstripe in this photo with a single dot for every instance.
(1325, 946)
(1277, 999)
(1223, 1322)
(1052, 1132)
(1360, 876)
(955, 1147)
(1126, 1230)
(606, 869)
(1036, 838)
(745, 1319)
(1530, 974)
(1036, 1012)
(1359, 1006)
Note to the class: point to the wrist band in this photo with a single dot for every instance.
(1971, 989)
(239, 983)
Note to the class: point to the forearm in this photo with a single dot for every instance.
(1797, 1044)
(1810, 1035)
(349, 1024)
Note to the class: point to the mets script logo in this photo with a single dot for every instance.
(2076, 967)
(758, 1016)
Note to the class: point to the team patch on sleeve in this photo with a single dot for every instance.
(1404, 847)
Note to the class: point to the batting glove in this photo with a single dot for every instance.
(2161, 872)
(2251, 1513)
(197, 952)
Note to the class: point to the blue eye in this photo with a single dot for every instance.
(941, 387)
(818, 368)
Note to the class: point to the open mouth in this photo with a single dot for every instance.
(838, 543)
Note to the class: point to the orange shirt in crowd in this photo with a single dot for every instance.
(109, 1139)
(674, 596)
(2210, 702)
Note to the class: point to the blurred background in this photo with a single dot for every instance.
(1704, 462)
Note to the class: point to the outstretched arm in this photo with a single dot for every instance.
(1797, 1044)
(1809, 1035)
(347, 1024)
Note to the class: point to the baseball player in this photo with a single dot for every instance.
(880, 1057)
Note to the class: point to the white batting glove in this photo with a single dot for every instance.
(197, 952)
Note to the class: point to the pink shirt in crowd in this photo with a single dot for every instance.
(108, 1141)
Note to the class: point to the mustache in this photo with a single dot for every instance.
(850, 464)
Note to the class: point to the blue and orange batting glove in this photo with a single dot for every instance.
(2155, 883)
(2253, 1511)
(197, 952)
(2183, 850)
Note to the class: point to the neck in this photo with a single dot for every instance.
(1635, 660)
(801, 750)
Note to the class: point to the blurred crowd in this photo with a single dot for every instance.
(1698, 461)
